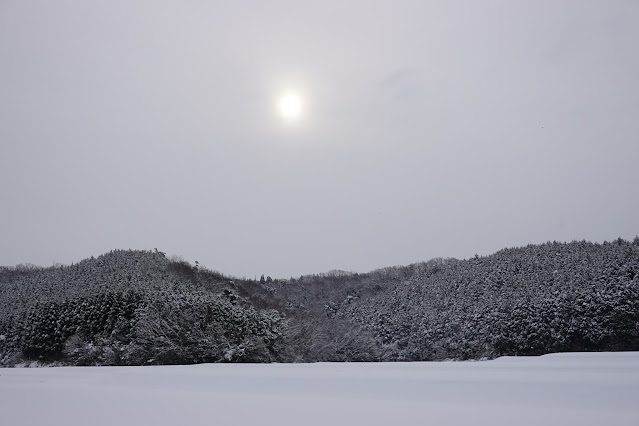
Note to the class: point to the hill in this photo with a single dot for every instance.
(138, 307)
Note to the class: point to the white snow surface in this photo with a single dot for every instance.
(559, 389)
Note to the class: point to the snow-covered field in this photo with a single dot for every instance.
(559, 389)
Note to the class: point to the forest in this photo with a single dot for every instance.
(134, 307)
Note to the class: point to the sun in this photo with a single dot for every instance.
(290, 106)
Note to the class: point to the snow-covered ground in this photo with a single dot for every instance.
(559, 389)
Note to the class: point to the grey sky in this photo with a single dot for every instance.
(430, 129)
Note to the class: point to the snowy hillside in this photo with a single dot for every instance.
(560, 389)
(138, 308)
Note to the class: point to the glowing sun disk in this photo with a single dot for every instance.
(290, 106)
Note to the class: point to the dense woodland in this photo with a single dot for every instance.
(141, 308)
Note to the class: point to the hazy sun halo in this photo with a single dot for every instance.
(290, 106)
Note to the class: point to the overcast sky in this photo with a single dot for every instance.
(428, 129)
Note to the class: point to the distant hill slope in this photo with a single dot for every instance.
(523, 301)
(131, 307)
(137, 307)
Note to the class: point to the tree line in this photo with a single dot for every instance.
(138, 307)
